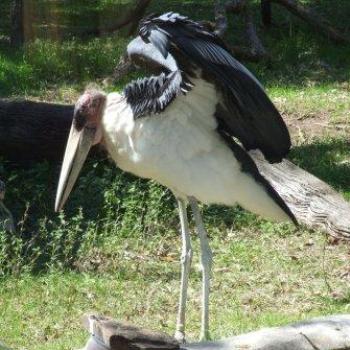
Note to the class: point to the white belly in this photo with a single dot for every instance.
(181, 150)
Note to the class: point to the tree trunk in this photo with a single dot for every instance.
(138, 13)
(132, 18)
(221, 23)
(17, 34)
(266, 13)
(324, 333)
(36, 131)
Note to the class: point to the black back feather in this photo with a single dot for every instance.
(245, 111)
(154, 94)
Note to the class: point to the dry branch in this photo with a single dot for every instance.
(311, 17)
(325, 333)
(124, 67)
(255, 50)
(256, 47)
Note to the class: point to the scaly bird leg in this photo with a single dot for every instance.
(186, 258)
(206, 262)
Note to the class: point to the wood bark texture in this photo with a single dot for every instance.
(313, 202)
(36, 131)
(33, 130)
(123, 336)
(325, 333)
(254, 50)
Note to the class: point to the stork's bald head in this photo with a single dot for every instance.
(89, 109)
(85, 132)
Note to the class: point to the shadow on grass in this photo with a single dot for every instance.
(109, 204)
(327, 159)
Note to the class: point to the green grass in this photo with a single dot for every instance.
(261, 277)
(116, 248)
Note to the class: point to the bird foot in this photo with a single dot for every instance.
(180, 337)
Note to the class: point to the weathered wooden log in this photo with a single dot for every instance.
(35, 131)
(108, 333)
(324, 333)
(313, 202)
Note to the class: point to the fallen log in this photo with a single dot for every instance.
(324, 333)
(314, 203)
(36, 131)
(33, 130)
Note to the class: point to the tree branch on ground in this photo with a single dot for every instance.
(312, 18)
(255, 50)
(322, 333)
(256, 47)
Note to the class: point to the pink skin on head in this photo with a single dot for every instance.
(91, 105)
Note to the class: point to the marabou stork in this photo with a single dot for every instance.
(188, 127)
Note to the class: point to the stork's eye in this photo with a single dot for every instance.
(79, 119)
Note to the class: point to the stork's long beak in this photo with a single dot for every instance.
(77, 149)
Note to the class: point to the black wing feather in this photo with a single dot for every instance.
(154, 94)
(245, 111)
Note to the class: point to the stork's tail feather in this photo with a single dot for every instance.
(248, 166)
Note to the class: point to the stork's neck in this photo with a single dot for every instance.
(117, 124)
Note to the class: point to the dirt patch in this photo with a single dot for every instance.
(304, 129)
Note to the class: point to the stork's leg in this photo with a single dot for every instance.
(206, 262)
(186, 257)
